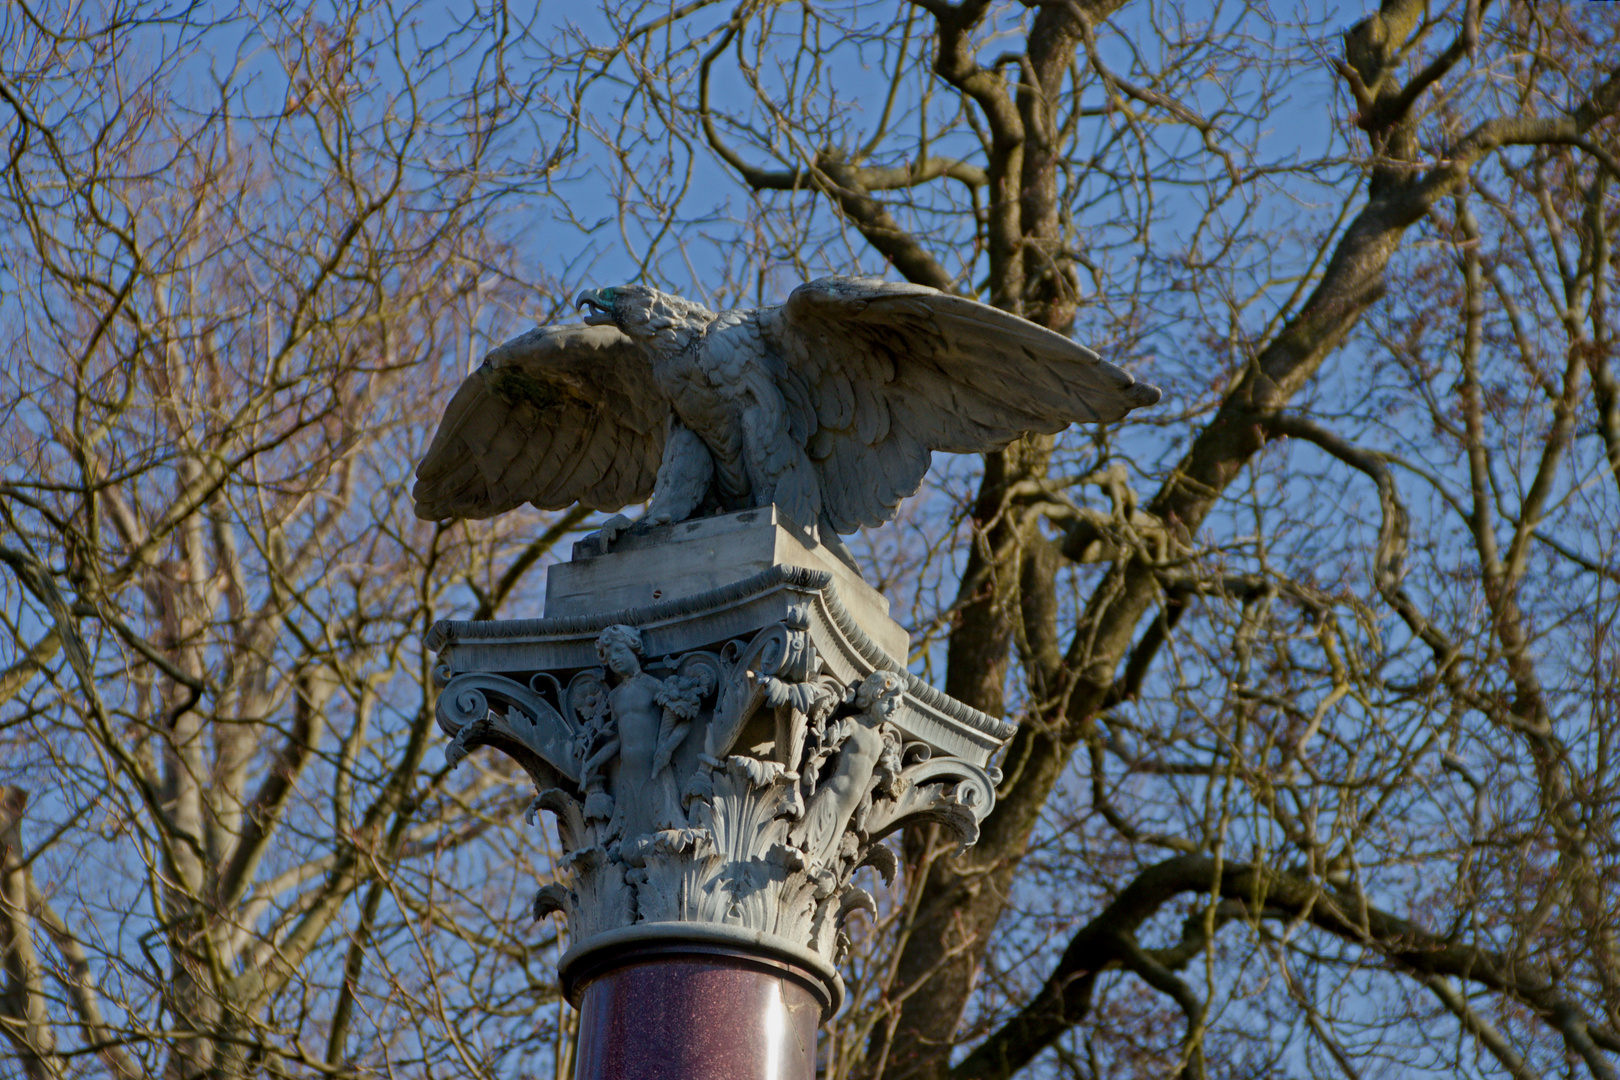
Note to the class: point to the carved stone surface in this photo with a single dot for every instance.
(695, 557)
(718, 765)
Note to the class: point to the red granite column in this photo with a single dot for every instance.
(704, 1013)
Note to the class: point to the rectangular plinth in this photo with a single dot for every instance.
(693, 557)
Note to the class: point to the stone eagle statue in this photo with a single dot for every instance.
(829, 405)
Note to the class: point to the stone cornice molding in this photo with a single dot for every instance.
(464, 645)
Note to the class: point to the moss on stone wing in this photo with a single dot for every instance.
(517, 386)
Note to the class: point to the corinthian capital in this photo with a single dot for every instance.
(718, 766)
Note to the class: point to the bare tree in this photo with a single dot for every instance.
(229, 315)
(1318, 698)
(1314, 665)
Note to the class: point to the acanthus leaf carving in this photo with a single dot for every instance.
(881, 858)
(554, 898)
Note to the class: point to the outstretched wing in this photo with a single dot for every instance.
(881, 374)
(560, 415)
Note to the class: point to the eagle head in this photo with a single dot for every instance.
(641, 310)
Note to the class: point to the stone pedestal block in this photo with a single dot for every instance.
(695, 557)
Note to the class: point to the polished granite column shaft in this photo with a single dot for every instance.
(697, 1017)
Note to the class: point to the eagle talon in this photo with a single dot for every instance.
(610, 531)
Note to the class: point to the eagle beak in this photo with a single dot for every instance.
(601, 301)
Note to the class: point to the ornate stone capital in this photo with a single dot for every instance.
(718, 764)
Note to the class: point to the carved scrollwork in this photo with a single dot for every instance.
(774, 655)
(585, 697)
(944, 790)
(478, 709)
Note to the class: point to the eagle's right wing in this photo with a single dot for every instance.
(879, 374)
(560, 415)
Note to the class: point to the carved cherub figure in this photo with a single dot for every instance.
(638, 718)
(867, 754)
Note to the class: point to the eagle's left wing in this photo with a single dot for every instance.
(559, 415)
(881, 374)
